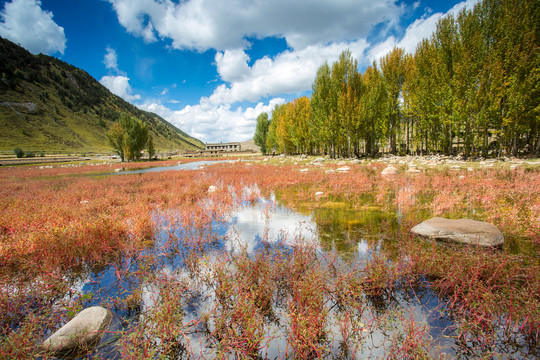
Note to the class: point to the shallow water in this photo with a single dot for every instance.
(187, 166)
(249, 228)
(338, 234)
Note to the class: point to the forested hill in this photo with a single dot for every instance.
(49, 105)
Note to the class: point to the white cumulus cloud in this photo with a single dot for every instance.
(290, 72)
(232, 65)
(111, 60)
(119, 85)
(214, 123)
(420, 29)
(222, 25)
(25, 23)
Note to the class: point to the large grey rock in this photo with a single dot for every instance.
(464, 231)
(82, 332)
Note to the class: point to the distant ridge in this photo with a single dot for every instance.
(250, 145)
(49, 105)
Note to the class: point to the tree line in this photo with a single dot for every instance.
(473, 88)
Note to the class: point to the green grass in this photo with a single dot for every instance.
(71, 111)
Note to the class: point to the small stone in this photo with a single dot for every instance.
(212, 189)
(83, 331)
(463, 231)
(319, 194)
(343, 169)
(331, 171)
(304, 170)
(389, 170)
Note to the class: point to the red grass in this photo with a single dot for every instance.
(53, 224)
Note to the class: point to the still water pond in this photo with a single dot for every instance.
(180, 166)
(339, 237)
(351, 236)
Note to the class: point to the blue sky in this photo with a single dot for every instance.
(211, 67)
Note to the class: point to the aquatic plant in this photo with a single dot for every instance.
(158, 233)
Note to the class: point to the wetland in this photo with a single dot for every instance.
(275, 261)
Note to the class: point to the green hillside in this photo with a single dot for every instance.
(49, 105)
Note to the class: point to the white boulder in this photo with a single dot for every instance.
(82, 332)
(463, 231)
(390, 170)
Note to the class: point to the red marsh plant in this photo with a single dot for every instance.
(50, 227)
(307, 308)
(412, 341)
(161, 333)
(490, 291)
(53, 224)
(244, 290)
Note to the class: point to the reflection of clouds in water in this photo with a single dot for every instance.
(363, 247)
(266, 221)
(200, 298)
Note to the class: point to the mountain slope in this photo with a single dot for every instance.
(49, 105)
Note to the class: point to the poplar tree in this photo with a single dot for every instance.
(261, 131)
(321, 106)
(393, 70)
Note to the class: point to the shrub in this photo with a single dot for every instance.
(19, 153)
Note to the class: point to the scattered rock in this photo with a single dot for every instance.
(343, 169)
(331, 171)
(389, 170)
(82, 332)
(463, 231)
(304, 170)
(319, 194)
(470, 169)
(83, 202)
(212, 189)
(341, 163)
